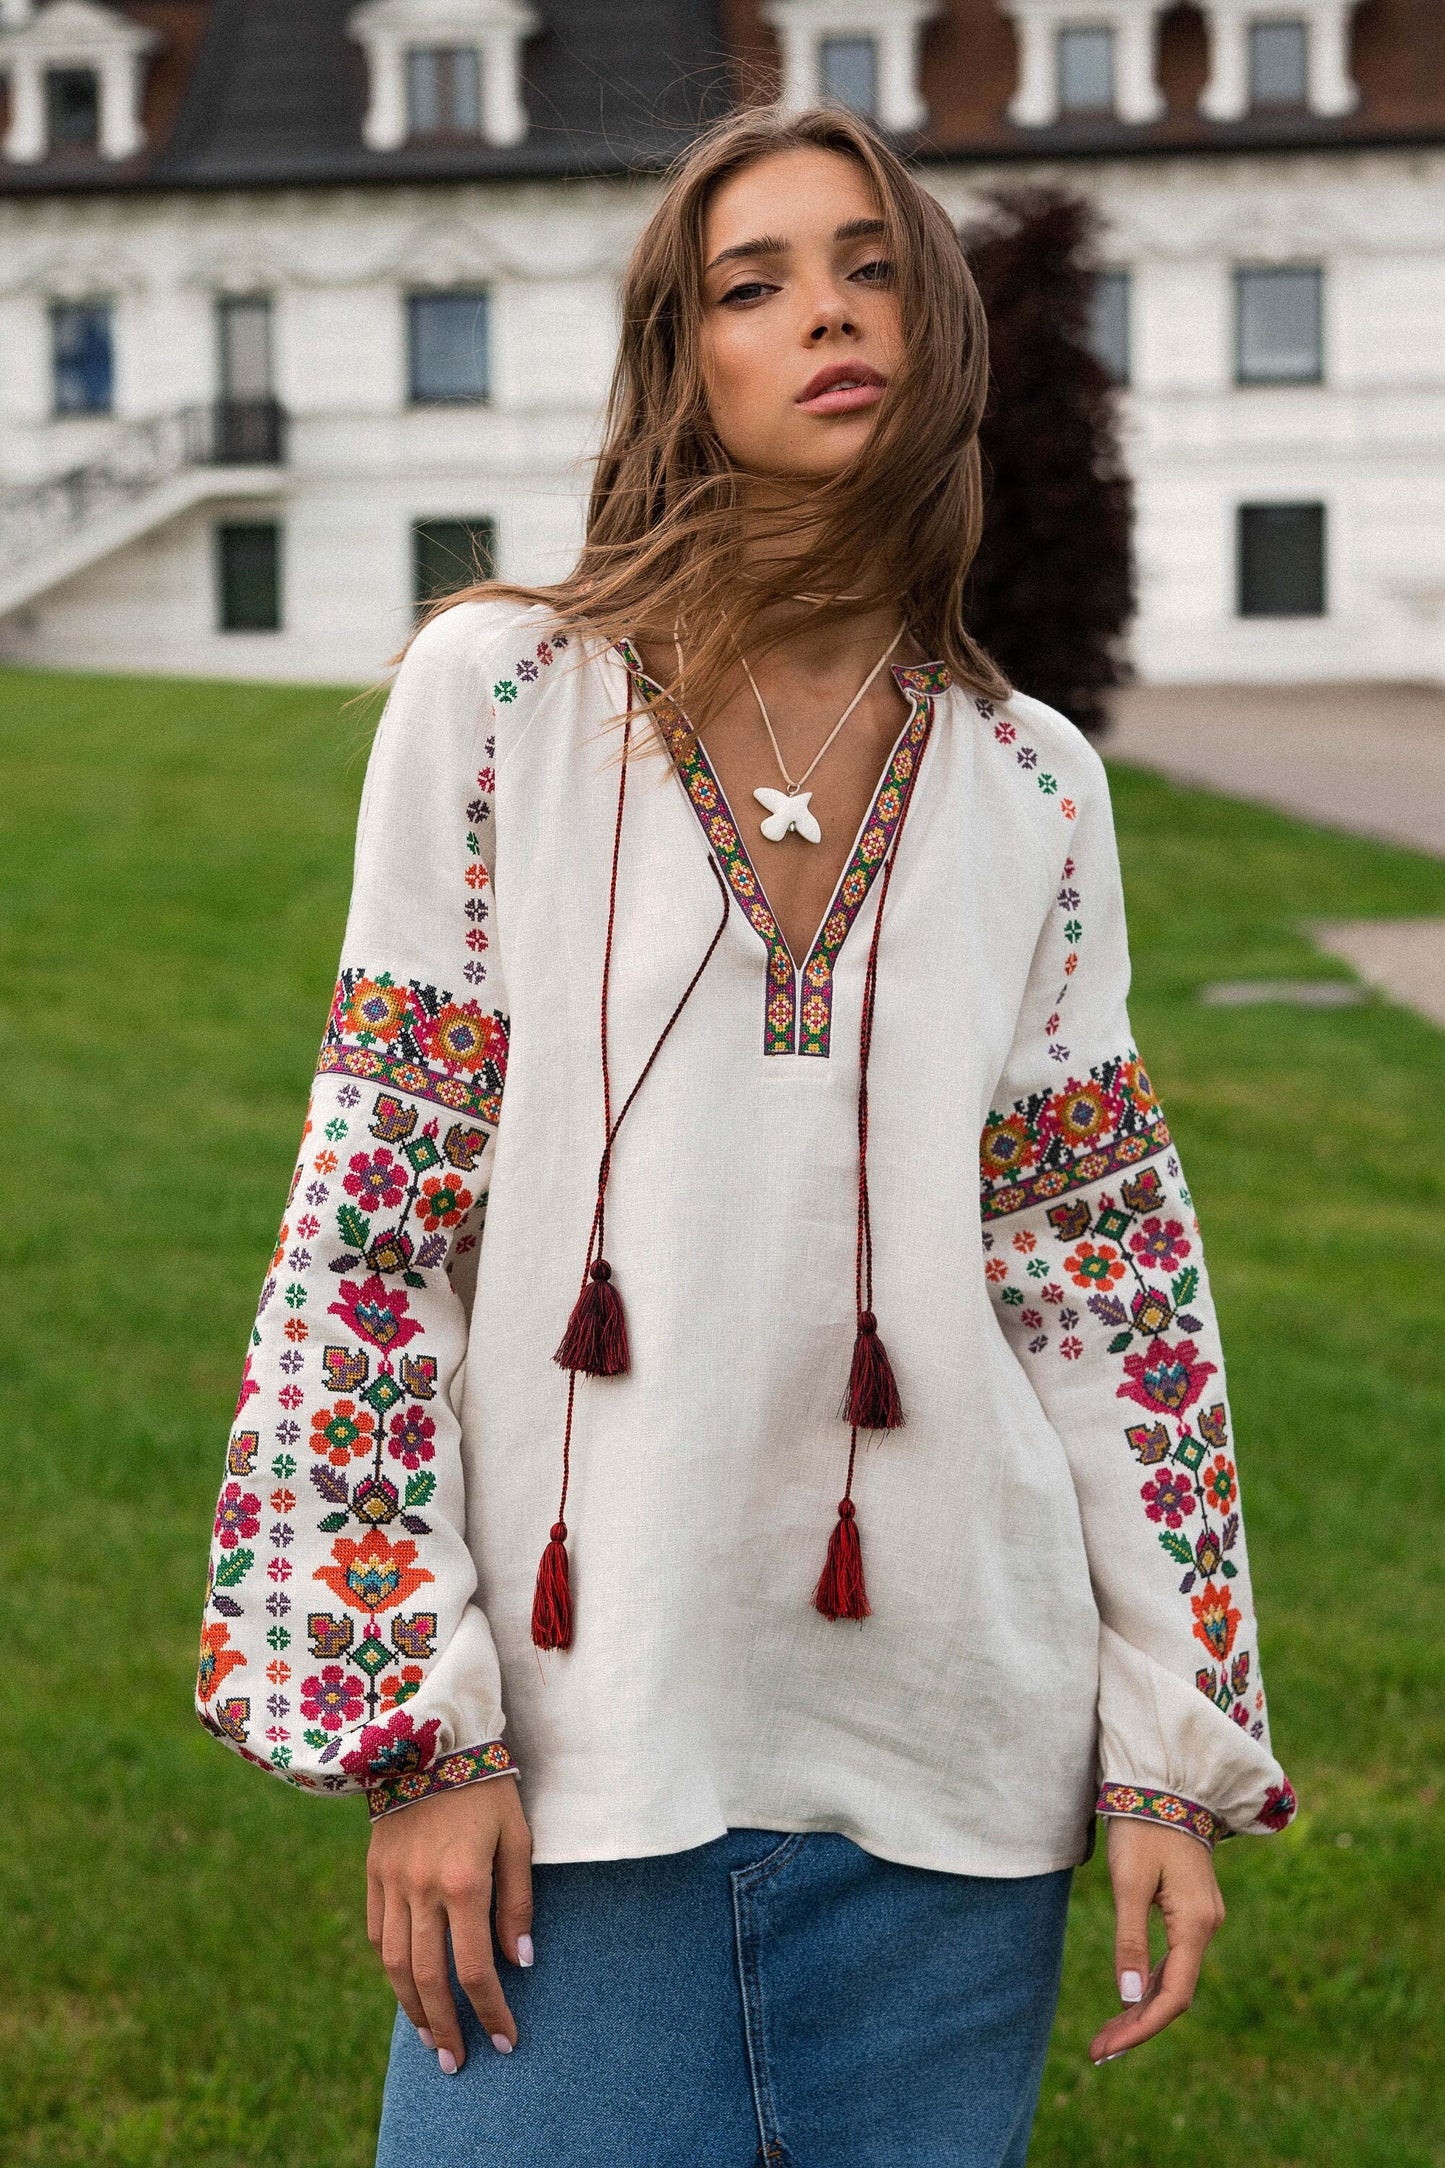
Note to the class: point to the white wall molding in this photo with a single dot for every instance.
(1037, 23)
(896, 30)
(72, 34)
(1331, 89)
(496, 29)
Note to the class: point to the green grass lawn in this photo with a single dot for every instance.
(187, 1980)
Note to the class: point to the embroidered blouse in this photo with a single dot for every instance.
(1061, 1618)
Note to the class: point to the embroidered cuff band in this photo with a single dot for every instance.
(1164, 1807)
(468, 1765)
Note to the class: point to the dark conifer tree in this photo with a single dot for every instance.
(1052, 589)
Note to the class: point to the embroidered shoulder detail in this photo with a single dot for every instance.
(1052, 1142)
(419, 1040)
(1166, 1807)
(469, 1765)
(924, 678)
(1026, 757)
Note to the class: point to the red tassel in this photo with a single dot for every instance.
(872, 1402)
(841, 1592)
(552, 1602)
(595, 1341)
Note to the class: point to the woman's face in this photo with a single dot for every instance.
(800, 332)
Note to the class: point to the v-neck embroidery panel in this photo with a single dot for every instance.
(798, 1001)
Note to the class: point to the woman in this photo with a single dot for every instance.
(819, 1524)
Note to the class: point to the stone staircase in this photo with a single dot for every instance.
(149, 472)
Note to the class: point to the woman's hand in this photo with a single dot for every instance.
(432, 1867)
(1149, 1865)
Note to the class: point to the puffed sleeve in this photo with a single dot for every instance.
(342, 1646)
(1095, 1269)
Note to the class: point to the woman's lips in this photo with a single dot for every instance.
(840, 389)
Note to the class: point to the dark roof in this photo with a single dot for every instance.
(278, 93)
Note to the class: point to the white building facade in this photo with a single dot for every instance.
(271, 372)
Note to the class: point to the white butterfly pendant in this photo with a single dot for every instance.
(787, 812)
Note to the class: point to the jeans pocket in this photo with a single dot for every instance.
(758, 1871)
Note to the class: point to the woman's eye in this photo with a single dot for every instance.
(876, 273)
(747, 290)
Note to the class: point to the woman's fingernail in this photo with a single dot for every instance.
(501, 2043)
(1131, 1989)
(448, 2062)
(426, 2038)
(525, 1952)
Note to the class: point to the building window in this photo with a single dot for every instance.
(1281, 560)
(848, 68)
(1278, 64)
(72, 110)
(82, 357)
(450, 553)
(243, 339)
(444, 91)
(1278, 325)
(1086, 70)
(1109, 323)
(248, 557)
(448, 337)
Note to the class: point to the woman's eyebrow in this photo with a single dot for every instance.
(767, 245)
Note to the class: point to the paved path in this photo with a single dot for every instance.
(1370, 759)
(1363, 757)
(1403, 957)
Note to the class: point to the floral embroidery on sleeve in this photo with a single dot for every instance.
(1123, 1262)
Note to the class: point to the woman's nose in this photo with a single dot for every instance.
(832, 320)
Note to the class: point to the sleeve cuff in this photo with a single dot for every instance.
(1169, 1809)
(468, 1765)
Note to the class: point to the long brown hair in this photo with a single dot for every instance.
(668, 530)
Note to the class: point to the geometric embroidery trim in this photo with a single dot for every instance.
(420, 1041)
(1052, 1142)
(1166, 1807)
(469, 1765)
(785, 1030)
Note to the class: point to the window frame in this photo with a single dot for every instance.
(1252, 613)
(58, 144)
(836, 39)
(227, 621)
(102, 309)
(1064, 34)
(1244, 274)
(1265, 24)
(449, 128)
(481, 531)
(417, 300)
(1121, 278)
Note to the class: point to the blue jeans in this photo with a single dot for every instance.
(784, 1999)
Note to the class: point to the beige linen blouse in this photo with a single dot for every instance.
(1061, 1612)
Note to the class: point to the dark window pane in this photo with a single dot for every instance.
(1281, 560)
(1279, 325)
(82, 357)
(250, 576)
(1109, 323)
(448, 346)
(451, 553)
(850, 72)
(1278, 63)
(1086, 71)
(72, 102)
